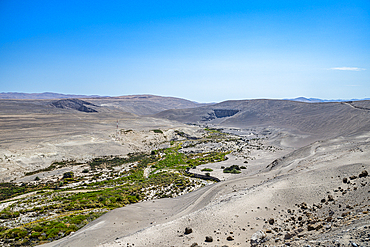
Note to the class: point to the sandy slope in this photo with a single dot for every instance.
(239, 207)
(243, 212)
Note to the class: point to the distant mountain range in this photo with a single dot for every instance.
(46, 95)
(315, 100)
(49, 95)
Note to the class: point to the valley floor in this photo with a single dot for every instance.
(316, 195)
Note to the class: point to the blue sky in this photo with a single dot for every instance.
(207, 51)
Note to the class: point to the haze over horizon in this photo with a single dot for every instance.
(207, 51)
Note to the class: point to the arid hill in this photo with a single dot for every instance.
(136, 104)
(325, 119)
(46, 95)
(145, 104)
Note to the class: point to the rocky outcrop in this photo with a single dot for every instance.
(75, 104)
(219, 113)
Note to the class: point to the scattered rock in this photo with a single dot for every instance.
(330, 198)
(345, 180)
(288, 236)
(194, 245)
(188, 230)
(310, 228)
(353, 177)
(209, 239)
(257, 238)
(363, 174)
(271, 221)
(229, 238)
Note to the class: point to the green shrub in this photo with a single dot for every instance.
(232, 169)
(16, 233)
(157, 131)
(68, 175)
(207, 170)
(35, 234)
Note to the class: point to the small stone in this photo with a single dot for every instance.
(194, 245)
(209, 239)
(363, 174)
(271, 221)
(330, 198)
(188, 230)
(229, 238)
(288, 235)
(310, 228)
(345, 180)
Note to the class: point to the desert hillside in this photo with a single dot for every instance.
(324, 119)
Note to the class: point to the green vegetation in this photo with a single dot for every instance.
(53, 166)
(204, 158)
(8, 190)
(180, 133)
(235, 169)
(175, 160)
(42, 232)
(207, 170)
(212, 130)
(158, 131)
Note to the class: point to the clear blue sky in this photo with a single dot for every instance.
(206, 51)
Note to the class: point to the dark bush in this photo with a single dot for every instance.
(68, 175)
(232, 169)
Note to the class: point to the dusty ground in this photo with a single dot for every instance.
(35, 147)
